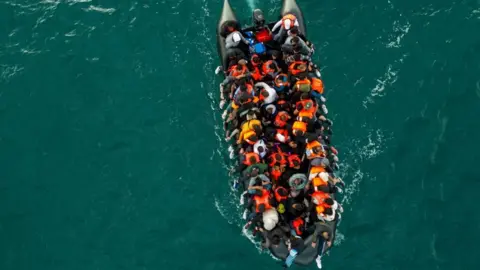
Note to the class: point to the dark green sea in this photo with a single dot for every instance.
(112, 153)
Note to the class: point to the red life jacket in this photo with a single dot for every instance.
(297, 225)
(248, 156)
(279, 197)
(278, 121)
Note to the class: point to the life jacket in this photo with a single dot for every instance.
(264, 199)
(253, 99)
(248, 156)
(281, 82)
(303, 85)
(317, 85)
(274, 161)
(297, 225)
(256, 74)
(248, 135)
(310, 147)
(318, 198)
(298, 125)
(292, 158)
(278, 121)
(235, 73)
(250, 124)
(282, 133)
(263, 35)
(290, 17)
(305, 114)
(279, 197)
(293, 68)
(303, 105)
(265, 68)
(275, 173)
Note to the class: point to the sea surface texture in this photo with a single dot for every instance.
(112, 153)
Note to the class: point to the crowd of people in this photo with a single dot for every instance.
(276, 119)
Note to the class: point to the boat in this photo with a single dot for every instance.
(227, 18)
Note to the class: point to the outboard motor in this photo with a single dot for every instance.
(258, 18)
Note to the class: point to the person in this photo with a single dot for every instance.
(233, 40)
(324, 231)
(274, 237)
(259, 182)
(293, 42)
(286, 23)
(272, 94)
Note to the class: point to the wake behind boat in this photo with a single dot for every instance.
(277, 119)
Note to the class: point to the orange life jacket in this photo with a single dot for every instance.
(236, 73)
(317, 85)
(290, 17)
(279, 197)
(256, 74)
(318, 197)
(278, 121)
(302, 82)
(292, 158)
(274, 161)
(293, 68)
(248, 156)
(264, 199)
(312, 145)
(275, 174)
(298, 125)
(266, 69)
(281, 80)
(297, 225)
(303, 104)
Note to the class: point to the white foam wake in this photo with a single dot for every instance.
(252, 4)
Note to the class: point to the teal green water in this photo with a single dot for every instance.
(110, 151)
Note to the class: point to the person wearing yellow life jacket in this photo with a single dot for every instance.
(299, 128)
(249, 132)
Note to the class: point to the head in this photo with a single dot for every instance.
(261, 208)
(293, 144)
(239, 67)
(302, 67)
(242, 62)
(328, 211)
(275, 240)
(254, 172)
(253, 138)
(299, 133)
(271, 66)
(296, 49)
(304, 96)
(241, 81)
(264, 93)
(261, 149)
(294, 40)
(252, 160)
(243, 88)
(276, 55)
(329, 201)
(317, 149)
(294, 31)
(256, 59)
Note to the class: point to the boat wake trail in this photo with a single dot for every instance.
(252, 4)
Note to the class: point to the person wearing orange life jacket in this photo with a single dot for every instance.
(281, 119)
(299, 128)
(236, 71)
(296, 68)
(248, 159)
(314, 150)
(270, 69)
(303, 84)
(262, 203)
(287, 22)
(256, 67)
